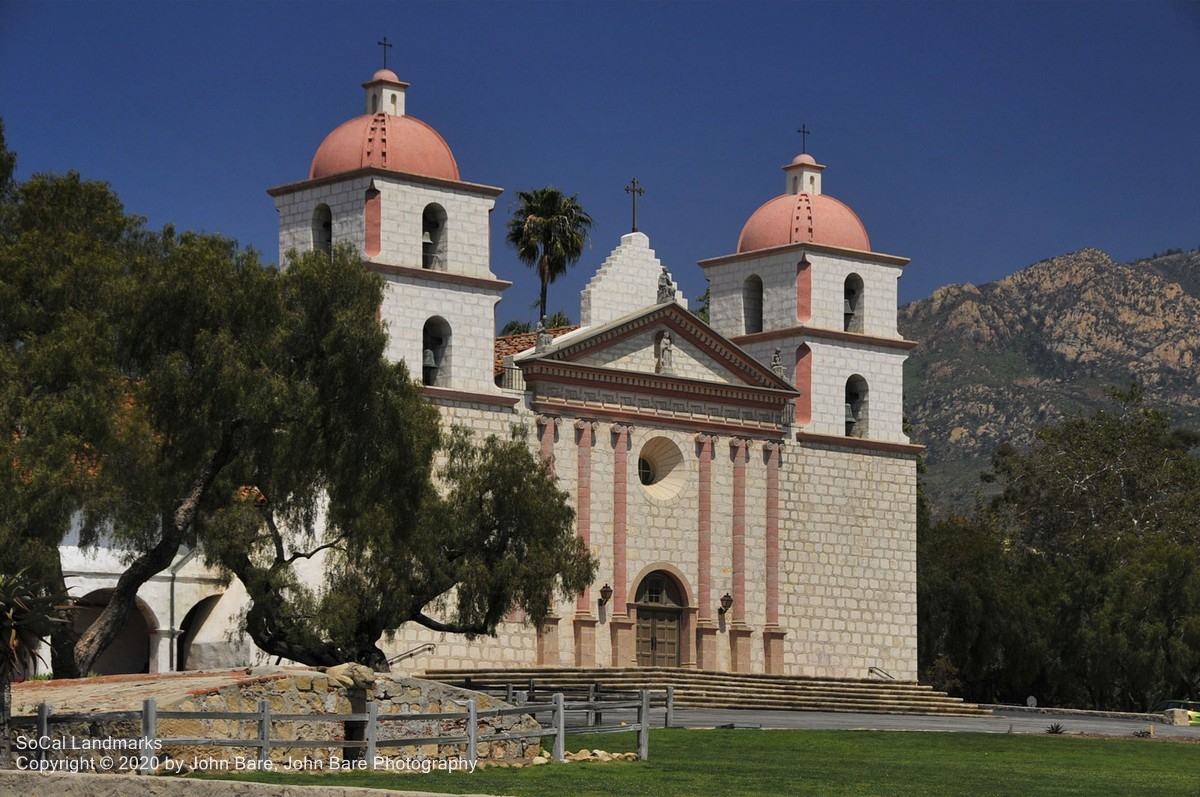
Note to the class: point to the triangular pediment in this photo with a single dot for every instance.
(663, 341)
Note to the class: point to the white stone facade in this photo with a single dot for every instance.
(701, 466)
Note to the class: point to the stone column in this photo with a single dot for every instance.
(620, 624)
(706, 628)
(161, 641)
(585, 621)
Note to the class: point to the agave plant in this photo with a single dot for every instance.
(27, 613)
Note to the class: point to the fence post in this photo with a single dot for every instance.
(149, 730)
(670, 707)
(593, 688)
(472, 730)
(372, 723)
(560, 729)
(508, 693)
(643, 723)
(43, 727)
(264, 730)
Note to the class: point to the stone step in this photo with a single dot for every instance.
(712, 689)
(521, 678)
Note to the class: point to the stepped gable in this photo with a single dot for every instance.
(627, 281)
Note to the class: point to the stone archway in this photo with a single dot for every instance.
(661, 620)
(130, 652)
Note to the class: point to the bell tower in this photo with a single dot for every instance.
(388, 185)
(804, 283)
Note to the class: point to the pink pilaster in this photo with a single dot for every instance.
(620, 624)
(547, 425)
(740, 453)
(773, 452)
(620, 507)
(583, 500)
(584, 623)
(706, 628)
(704, 528)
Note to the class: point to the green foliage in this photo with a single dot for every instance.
(27, 614)
(502, 534)
(516, 327)
(702, 305)
(66, 253)
(8, 167)
(1055, 728)
(359, 448)
(1080, 582)
(548, 230)
(558, 318)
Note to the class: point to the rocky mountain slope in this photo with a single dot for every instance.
(998, 361)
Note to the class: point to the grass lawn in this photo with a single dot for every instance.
(780, 762)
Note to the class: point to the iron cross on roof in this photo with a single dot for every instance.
(803, 131)
(385, 44)
(637, 191)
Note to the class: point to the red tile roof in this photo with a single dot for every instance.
(515, 344)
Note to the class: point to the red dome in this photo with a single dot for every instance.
(803, 218)
(383, 141)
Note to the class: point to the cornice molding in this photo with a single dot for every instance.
(430, 275)
(372, 171)
(551, 371)
(825, 334)
(807, 246)
(862, 443)
(700, 426)
(442, 395)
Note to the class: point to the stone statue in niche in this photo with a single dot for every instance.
(665, 352)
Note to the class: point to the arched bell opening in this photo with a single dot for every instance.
(436, 353)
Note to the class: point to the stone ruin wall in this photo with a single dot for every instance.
(313, 693)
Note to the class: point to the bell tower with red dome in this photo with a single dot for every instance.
(804, 283)
(387, 184)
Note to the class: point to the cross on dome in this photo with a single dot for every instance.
(803, 131)
(386, 45)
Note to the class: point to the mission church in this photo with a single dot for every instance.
(746, 483)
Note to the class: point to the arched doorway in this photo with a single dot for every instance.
(193, 621)
(130, 651)
(660, 607)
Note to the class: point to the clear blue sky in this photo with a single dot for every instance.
(974, 138)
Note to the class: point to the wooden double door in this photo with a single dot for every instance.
(658, 636)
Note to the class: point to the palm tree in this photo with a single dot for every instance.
(26, 617)
(548, 230)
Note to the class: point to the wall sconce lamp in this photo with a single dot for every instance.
(606, 593)
(726, 603)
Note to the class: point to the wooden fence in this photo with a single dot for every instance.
(370, 745)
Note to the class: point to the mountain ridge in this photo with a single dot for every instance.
(996, 362)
